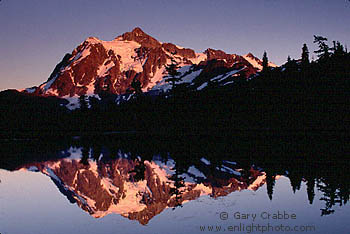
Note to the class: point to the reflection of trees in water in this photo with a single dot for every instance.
(178, 183)
(138, 173)
(270, 183)
(295, 178)
(85, 155)
(310, 188)
(328, 173)
(96, 151)
(332, 181)
(335, 191)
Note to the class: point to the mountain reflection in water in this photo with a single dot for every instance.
(142, 189)
(140, 183)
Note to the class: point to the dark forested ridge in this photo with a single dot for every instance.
(300, 96)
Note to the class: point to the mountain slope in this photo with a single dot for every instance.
(98, 66)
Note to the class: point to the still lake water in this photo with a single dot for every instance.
(103, 187)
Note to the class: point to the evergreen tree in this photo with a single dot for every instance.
(85, 155)
(289, 59)
(83, 102)
(241, 80)
(265, 62)
(96, 151)
(94, 103)
(295, 181)
(138, 173)
(310, 189)
(178, 184)
(338, 49)
(323, 51)
(305, 61)
(136, 85)
(173, 74)
(270, 184)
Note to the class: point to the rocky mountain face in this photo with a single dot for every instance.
(139, 190)
(97, 66)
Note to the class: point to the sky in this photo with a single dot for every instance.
(36, 34)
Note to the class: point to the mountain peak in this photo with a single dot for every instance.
(97, 66)
(139, 36)
(250, 55)
(138, 30)
(92, 40)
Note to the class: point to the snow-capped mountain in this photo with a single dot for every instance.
(141, 190)
(97, 66)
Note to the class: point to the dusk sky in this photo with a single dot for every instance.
(36, 34)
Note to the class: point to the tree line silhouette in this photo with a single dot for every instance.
(298, 96)
(301, 95)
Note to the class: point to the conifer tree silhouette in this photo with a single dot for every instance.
(265, 62)
(173, 74)
(305, 61)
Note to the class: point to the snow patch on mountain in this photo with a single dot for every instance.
(260, 180)
(156, 78)
(29, 90)
(228, 170)
(226, 75)
(194, 171)
(253, 61)
(48, 84)
(205, 161)
(186, 78)
(160, 172)
(80, 56)
(73, 102)
(202, 86)
(130, 203)
(168, 166)
(74, 153)
(126, 50)
(104, 68)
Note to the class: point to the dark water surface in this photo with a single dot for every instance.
(174, 185)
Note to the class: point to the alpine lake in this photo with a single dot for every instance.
(170, 185)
